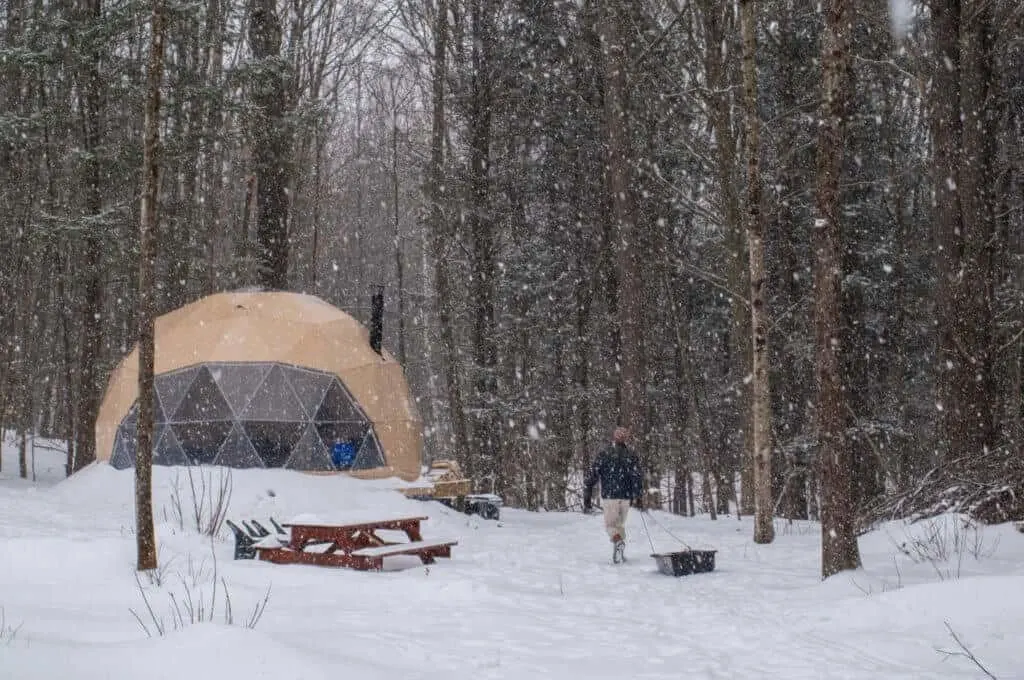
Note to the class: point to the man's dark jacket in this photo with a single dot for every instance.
(618, 470)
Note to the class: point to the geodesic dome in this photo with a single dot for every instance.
(257, 414)
(266, 380)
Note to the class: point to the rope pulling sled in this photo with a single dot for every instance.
(679, 562)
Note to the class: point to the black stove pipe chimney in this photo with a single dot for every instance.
(377, 320)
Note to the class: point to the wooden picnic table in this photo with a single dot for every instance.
(356, 545)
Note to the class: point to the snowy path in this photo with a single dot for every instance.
(534, 596)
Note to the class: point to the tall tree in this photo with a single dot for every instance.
(440, 236)
(92, 322)
(718, 23)
(271, 142)
(396, 204)
(626, 242)
(839, 550)
(964, 152)
(144, 530)
(764, 528)
(481, 226)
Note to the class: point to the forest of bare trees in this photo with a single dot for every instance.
(781, 240)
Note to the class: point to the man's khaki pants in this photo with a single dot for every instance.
(615, 511)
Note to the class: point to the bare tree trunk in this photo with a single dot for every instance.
(718, 24)
(839, 549)
(440, 237)
(710, 505)
(399, 258)
(215, 200)
(973, 426)
(144, 530)
(271, 145)
(962, 128)
(23, 454)
(244, 225)
(314, 255)
(68, 357)
(679, 486)
(764, 529)
(689, 494)
(484, 443)
(360, 219)
(709, 470)
(583, 299)
(627, 245)
(91, 343)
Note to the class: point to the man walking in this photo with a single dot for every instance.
(618, 469)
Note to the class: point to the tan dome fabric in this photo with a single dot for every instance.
(287, 328)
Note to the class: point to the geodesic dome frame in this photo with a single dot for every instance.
(251, 415)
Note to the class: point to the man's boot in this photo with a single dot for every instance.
(618, 549)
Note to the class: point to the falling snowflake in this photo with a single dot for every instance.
(901, 17)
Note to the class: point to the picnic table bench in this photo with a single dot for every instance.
(356, 545)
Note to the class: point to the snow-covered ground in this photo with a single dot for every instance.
(534, 596)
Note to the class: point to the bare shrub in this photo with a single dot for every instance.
(203, 505)
(944, 542)
(158, 576)
(965, 652)
(7, 631)
(886, 585)
(789, 527)
(197, 573)
(193, 606)
(987, 488)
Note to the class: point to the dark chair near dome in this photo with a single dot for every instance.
(244, 543)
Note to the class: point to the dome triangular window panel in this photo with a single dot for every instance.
(273, 441)
(203, 401)
(123, 457)
(310, 387)
(369, 455)
(131, 422)
(158, 411)
(275, 400)
(237, 451)
(239, 382)
(167, 450)
(309, 453)
(132, 418)
(172, 387)
(337, 405)
(345, 431)
(201, 442)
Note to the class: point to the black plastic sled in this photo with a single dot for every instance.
(684, 562)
